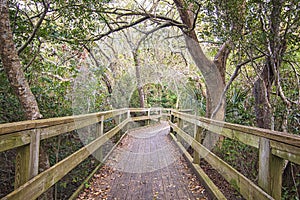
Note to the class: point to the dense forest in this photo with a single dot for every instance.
(231, 60)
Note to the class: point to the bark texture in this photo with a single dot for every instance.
(12, 67)
(276, 47)
(262, 91)
(213, 74)
(138, 78)
(210, 71)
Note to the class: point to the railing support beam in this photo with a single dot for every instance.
(149, 114)
(22, 165)
(99, 132)
(34, 153)
(27, 160)
(172, 121)
(180, 125)
(270, 170)
(197, 136)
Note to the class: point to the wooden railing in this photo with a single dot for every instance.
(26, 136)
(274, 147)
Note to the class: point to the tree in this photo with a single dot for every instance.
(13, 69)
(212, 74)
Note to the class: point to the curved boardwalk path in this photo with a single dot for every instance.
(145, 165)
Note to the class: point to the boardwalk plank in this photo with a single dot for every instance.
(146, 165)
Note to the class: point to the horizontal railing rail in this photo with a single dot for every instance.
(26, 136)
(274, 147)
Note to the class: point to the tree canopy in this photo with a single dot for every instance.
(232, 60)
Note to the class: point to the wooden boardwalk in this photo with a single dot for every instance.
(145, 165)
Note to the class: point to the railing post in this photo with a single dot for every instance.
(160, 114)
(34, 153)
(119, 122)
(22, 165)
(270, 170)
(126, 128)
(171, 120)
(27, 160)
(180, 125)
(99, 132)
(149, 114)
(197, 136)
(128, 114)
(119, 119)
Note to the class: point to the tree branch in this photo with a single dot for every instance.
(118, 29)
(104, 75)
(33, 58)
(37, 26)
(233, 76)
(152, 31)
(196, 16)
(56, 76)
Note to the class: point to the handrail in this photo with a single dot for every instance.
(28, 134)
(19, 133)
(42, 123)
(284, 145)
(281, 137)
(274, 147)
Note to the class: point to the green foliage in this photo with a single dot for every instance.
(155, 96)
(291, 182)
(240, 156)
(239, 108)
(160, 96)
(134, 100)
(10, 110)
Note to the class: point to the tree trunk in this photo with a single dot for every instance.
(105, 77)
(213, 75)
(269, 180)
(262, 91)
(276, 47)
(210, 71)
(138, 79)
(107, 83)
(13, 69)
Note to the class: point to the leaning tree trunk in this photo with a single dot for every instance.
(105, 77)
(263, 109)
(261, 92)
(212, 74)
(13, 69)
(139, 80)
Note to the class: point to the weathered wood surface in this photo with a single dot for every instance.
(142, 118)
(26, 136)
(146, 165)
(286, 146)
(20, 135)
(13, 135)
(246, 187)
(31, 124)
(40, 183)
(214, 191)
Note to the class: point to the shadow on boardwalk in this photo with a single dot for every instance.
(145, 165)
